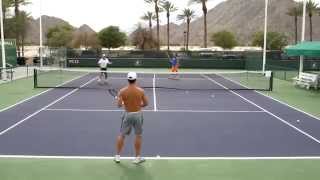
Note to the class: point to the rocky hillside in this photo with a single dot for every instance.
(244, 18)
(47, 23)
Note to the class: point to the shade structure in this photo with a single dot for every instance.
(311, 49)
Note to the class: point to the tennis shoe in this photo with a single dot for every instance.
(138, 160)
(117, 159)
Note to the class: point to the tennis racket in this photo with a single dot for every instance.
(113, 93)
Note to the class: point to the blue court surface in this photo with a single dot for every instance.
(178, 123)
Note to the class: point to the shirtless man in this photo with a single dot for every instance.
(133, 99)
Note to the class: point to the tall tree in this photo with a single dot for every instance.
(149, 16)
(5, 5)
(187, 15)
(312, 8)
(205, 12)
(60, 36)
(157, 11)
(23, 20)
(142, 39)
(85, 39)
(168, 8)
(17, 4)
(275, 40)
(112, 37)
(295, 12)
(224, 39)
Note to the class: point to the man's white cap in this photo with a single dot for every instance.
(103, 55)
(132, 76)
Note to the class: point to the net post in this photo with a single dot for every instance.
(35, 78)
(271, 82)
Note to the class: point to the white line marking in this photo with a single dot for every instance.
(163, 110)
(86, 110)
(154, 93)
(209, 111)
(277, 117)
(295, 108)
(37, 112)
(160, 158)
(28, 99)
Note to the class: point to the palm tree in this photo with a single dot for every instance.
(24, 17)
(149, 16)
(17, 4)
(295, 12)
(157, 11)
(205, 12)
(5, 5)
(312, 8)
(187, 15)
(169, 8)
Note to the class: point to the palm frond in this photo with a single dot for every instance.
(168, 6)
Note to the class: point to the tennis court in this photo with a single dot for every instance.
(200, 116)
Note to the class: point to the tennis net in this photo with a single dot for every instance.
(90, 79)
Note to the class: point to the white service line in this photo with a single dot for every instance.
(277, 117)
(92, 110)
(154, 93)
(163, 110)
(37, 112)
(208, 111)
(160, 158)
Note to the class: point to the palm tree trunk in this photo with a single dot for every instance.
(205, 45)
(22, 45)
(310, 16)
(188, 31)
(150, 25)
(296, 28)
(205, 11)
(16, 11)
(158, 27)
(168, 31)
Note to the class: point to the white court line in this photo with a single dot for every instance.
(277, 117)
(37, 112)
(208, 111)
(163, 110)
(160, 78)
(160, 158)
(154, 93)
(267, 96)
(28, 99)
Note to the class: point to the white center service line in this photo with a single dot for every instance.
(51, 104)
(154, 93)
(277, 117)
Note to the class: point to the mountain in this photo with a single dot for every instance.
(243, 18)
(85, 29)
(32, 35)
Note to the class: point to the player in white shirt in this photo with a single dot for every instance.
(103, 64)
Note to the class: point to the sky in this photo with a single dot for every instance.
(99, 14)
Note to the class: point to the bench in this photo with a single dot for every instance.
(307, 80)
(8, 72)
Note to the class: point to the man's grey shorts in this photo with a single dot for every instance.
(131, 120)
